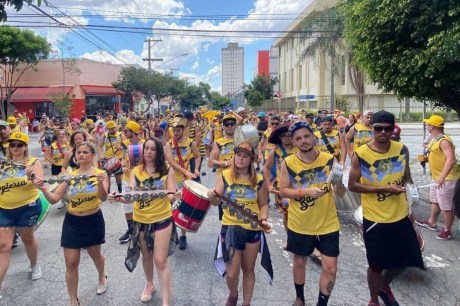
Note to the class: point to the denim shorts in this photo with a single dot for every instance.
(25, 216)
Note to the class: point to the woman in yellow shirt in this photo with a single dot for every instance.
(84, 225)
(153, 217)
(20, 205)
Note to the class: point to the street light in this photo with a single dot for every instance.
(183, 54)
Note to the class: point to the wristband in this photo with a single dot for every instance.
(299, 191)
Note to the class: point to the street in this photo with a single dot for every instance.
(195, 281)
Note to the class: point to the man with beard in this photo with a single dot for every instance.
(111, 143)
(132, 157)
(330, 140)
(359, 134)
(179, 151)
(379, 172)
(313, 221)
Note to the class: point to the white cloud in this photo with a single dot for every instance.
(196, 64)
(122, 57)
(210, 61)
(213, 73)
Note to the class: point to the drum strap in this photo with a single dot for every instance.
(326, 142)
(110, 141)
(2, 148)
(283, 150)
(437, 139)
(179, 156)
(59, 148)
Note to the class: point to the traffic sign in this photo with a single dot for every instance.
(306, 97)
(279, 94)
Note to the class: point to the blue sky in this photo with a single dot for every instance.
(181, 25)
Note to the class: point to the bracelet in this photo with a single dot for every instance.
(299, 191)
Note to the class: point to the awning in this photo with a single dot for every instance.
(101, 90)
(37, 94)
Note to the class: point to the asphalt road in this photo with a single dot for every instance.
(195, 282)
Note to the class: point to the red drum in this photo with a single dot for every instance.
(193, 208)
(112, 165)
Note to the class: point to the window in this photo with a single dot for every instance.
(45, 108)
(99, 104)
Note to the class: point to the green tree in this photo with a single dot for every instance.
(263, 84)
(218, 101)
(63, 104)
(192, 97)
(17, 4)
(20, 50)
(409, 47)
(254, 97)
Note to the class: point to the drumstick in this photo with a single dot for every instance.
(241, 210)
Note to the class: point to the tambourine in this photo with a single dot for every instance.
(8, 162)
(146, 193)
(245, 214)
(336, 175)
(62, 179)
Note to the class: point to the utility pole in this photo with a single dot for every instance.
(150, 59)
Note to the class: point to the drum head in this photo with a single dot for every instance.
(247, 133)
(238, 136)
(45, 208)
(196, 188)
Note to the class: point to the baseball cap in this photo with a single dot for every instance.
(383, 117)
(261, 114)
(368, 112)
(299, 125)
(111, 124)
(229, 117)
(245, 147)
(133, 126)
(434, 120)
(19, 136)
(12, 120)
(240, 109)
(89, 121)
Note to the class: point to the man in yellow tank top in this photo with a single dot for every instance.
(359, 134)
(380, 170)
(444, 173)
(330, 140)
(313, 221)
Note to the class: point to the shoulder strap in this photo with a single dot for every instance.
(179, 156)
(283, 150)
(59, 148)
(436, 140)
(326, 142)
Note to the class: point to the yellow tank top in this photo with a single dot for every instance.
(185, 149)
(126, 161)
(268, 146)
(307, 215)
(280, 156)
(333, 138)
(151, 211)
(83, 194)
(217, 131)
(382, 169)
(437, 159)
(362, 135)
(111, 143)
(242, 192)
(16, 190)
(226, 147)
(57, 153)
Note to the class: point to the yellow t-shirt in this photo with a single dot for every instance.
(307, 215)
(217, 131)
(226, 147)
(280, 155)
(57, 153)
(362, 135)
(334, 141)
(16, 190)
(242, 192)
(437, 159)
(130, 164)
(111, 144)
(382, 169)
(151, 211)
(83, 194)
(185, 149)
(268, 146)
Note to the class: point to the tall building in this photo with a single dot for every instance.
(262, 63)
(273, 67)
(232, 69)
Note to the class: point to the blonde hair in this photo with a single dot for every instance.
(26, 153)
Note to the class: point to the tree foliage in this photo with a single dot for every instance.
(410, 47)
(263, 84)
(218, 101)
(20, 50)
(254, 97)
(17, 4)
(63, 104)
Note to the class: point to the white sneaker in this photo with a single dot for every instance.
(36, 272)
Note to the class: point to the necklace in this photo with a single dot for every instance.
(307, 162)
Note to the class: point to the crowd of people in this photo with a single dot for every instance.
(294, 159)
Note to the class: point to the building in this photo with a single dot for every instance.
(305, 83)
(273, 67)
(88, 83)
(232, 69)
(262, 63)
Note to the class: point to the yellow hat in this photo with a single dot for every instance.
(19, 136)
(434, 120)
(12, 120)
(229, 117)
(133, 126)
(111, 124)
(89, 121)
(179, 121)
(168, 110)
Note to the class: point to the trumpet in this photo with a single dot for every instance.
(245, 214)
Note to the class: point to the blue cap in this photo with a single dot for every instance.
(261, 114)
(299, 125)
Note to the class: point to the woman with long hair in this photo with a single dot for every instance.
(20, 203)
(70, 158)
(240, 182)
(153, 223)
(84, 225)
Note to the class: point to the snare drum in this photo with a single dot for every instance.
(112, 165)
(247, 133)
(45, 208)
(193, 207)
(346, 202)
(135, 154)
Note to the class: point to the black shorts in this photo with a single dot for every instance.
(56, 170)
(392, 245)
(303, 245)
(83, 231)
(240, 236)
(155, 226)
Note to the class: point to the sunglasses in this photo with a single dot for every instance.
(229, 124)
(16, 145)
(387, 129)
(275, 123)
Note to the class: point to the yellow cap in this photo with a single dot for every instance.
(12, 120)
(89, 121)
(434, 120)
(133, 126)
(111, 124)
(19, 136)
(229, 117)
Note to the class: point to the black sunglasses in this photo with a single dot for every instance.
(16, 144)
(275, 123)
(387, 129)
(229, 124)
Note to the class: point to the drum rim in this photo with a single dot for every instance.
(189, 184)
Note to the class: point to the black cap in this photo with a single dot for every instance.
(188, 115)
(326, 119)
(383, 117)
(309, 115)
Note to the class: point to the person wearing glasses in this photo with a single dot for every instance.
(312, 221)
(379, 172)
(84, 225)
(265, 146)
(20, 203)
